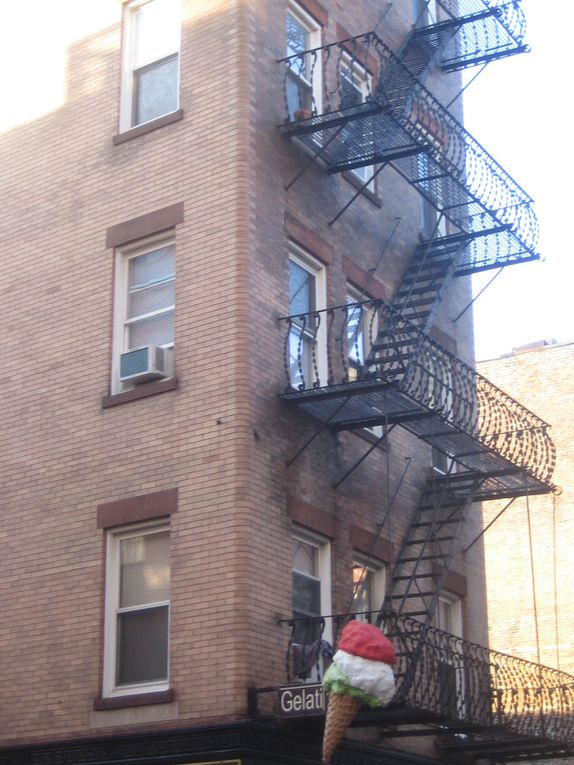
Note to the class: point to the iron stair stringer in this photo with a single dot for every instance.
(427, 550)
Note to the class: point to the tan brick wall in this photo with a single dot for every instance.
(541, 379)
(222, 438)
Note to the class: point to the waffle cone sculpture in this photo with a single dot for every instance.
(360, 674)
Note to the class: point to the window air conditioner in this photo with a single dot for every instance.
(143, 364)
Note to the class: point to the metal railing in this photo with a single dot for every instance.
(489, 37)
(365, 106)
(367, 343)
(464, 682)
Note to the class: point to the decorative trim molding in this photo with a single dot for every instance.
(308, 239)
(370, 544)
(360, 278)
(144, 225)
(135, 509)
(313, 518)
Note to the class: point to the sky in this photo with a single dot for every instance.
(520, 109)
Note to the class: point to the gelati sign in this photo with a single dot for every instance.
(301, 700)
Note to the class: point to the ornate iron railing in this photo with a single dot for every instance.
(463, 682)
(370, 108)
(493, 29)
(362, 344)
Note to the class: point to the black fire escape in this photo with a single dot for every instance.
(371, 110)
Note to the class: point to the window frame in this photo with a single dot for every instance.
(128, 86)
(307, 262)
(425, 16)
(110, 689)
(377, 572)
(123, 255)
(451, 667)
(314, 31)
(368, 320)
(323, 547)
(362, 85)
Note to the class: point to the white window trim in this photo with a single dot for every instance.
(315, 267)
(120, 323)
(379, 575)
(364, 83)
(355, 296)
(110, 690)
(128, 68)
(314, 30)
(323, 546)
(456, 662)
(455, 605)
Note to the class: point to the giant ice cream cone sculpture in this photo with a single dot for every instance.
(360, 674)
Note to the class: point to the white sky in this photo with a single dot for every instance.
(521, 110)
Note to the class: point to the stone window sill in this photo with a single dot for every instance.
(147, 127)
(140, 391)
(135, 700)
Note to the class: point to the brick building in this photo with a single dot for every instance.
(238, 407)
(540, 376)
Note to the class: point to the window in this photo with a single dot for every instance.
(441, 462)
(150, 87)
(311, 587)
(307, 345)
(368, 587)
(361, 331)
(144, 302)
(451, 663)
(425, 12)
(355, 84)
(303, 85)
(137, 610)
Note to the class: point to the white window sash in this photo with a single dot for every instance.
(130, 69)
(319, 339)
(121, 322)
(112, 611)
(314, 31)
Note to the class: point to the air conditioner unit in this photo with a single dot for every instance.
(143, 364)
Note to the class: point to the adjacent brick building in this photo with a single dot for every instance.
(237, 409)
(529, 597)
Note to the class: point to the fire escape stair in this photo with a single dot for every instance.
(401, 123)
(427, 550)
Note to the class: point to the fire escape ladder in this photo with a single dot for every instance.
(427, 550)
(425, 280)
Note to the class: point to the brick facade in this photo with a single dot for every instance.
(210, 449)
(541, 378)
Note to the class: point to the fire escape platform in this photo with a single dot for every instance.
(501, 449)
(478, 31)
(474, 700)
(398, 121)
(362, 404)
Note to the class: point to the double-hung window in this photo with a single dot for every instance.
(150, 86)
(145, 301)
(303, 86)
(311, 587)
(355, 85)
(360, 331)
(451, 663)
(307, 343)
(368, 587)
(136, 652)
